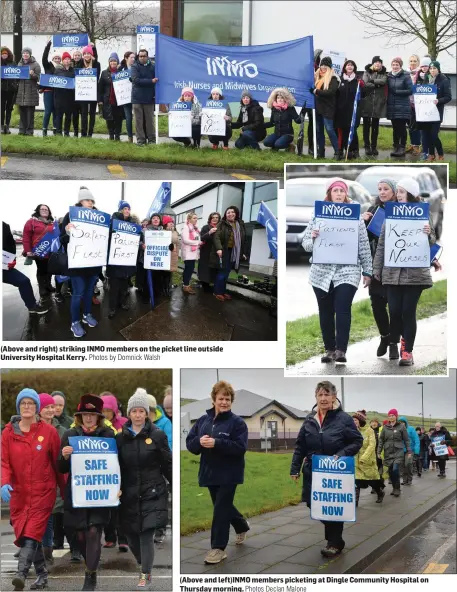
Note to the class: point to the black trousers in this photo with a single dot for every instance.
(114, 127)
(224, 139)
(117, 289)
(196, 136)
(62, 119)
(8, 99)
(90, 546)
(370, 123)
(335, 315)
(334, 534)
(379, 308)
(399, 131)
(88, 108)
(224, 515)
(343, 137)
(26, 121)
(403, 302)
(113, 533)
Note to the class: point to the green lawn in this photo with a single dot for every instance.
(434, 369)
(304, 339)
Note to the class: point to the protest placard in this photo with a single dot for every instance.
(43, 246)
(95, 472)
(180, 120)
(157, 251)
(15, 72)
(338, 58)
(439, 446)
(424, 95)
(376, 222)
(7, 258)
(122, 87)
(213, 122)
(333, 488)
(338, 240)
(72, 40)
(53, 81)
(88, 246)
(86, 84)
(406, 244)
(125, 240)
(146, 38)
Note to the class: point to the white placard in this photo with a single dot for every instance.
(333, 488)
(179, 124)
(88, 245)
(123, 91)
(337, 57)
(85, 88)
(157, 253)
(7, 258)
(338, 239)
(425, 108)
(406, 244)
(146, 38)
(125, 240)
(213, 122)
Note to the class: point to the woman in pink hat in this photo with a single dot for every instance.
(188, 96)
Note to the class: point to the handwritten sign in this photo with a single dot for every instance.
(125, 240)
(53, 81)
(15, 72)
(157, 251)
(85, 84)
(95, 472)
(406, 244)
(213, 122)
(333, 488)
(424, 95)
(88, 246)
(73, 40)
(338, 239)
(7, 258)
(146, 38)
(180, 120)
(122, 87)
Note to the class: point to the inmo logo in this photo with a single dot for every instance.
(71, 39)
(93, 444)
(147, 29)
(222, 65)
(58, 80)
(336, 210)
(406, 210)
(92, 216)
(331, 463)
(11, 70)
(127, 227)
(424, 89)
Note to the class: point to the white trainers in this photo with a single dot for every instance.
(215, 556)
(241, 537)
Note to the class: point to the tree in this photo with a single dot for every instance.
(433, 22)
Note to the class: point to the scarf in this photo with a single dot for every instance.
(244, 113)
(112, 95)
(349, 77)
(431, 80)
(396, 73)
(194, 234)
(89, 430)
(280, 107)
(236, 251)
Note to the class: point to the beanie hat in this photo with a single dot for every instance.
(55, 55)
(326, 62)
(45, 400)
(139, 399)
(123, 204)
(410, 185)
(26, 49)
(88, 49)
(389, 182)
(54, 393)
(246, 93)
(393, 412)
(152, 402)
(90, 404)
(166, 220)
(85, 193)
(187, 89)
(425, 61)
(28, 393)
(435, 64)
(66, 55)
(376, 59)
(360, 415)
(154, 215)
(336, 182)
(349, 62)
(216, 89)
(399, 60)
(113, 56)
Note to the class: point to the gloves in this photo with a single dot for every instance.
(12, 264)
(311, 89)
(171, 247)
(6, 495)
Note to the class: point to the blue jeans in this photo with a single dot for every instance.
(425, 461)
(48, 99)
(16, 278)
(220, 283)
(278, 142)
(189, 267)
(335, 315)
(327, 124)
(82, 288)
(129, 119)
(394, 474)
(247, 139)
(49, 534)
(415, 137)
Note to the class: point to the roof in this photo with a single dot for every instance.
(203, 189)
(246, 404)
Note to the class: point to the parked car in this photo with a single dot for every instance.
(430, 187)
(17, 235)
(300, 197)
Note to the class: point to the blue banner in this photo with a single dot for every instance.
(257, 68)
(148, 29)
(90, 216)
(53, 81)
(337, 211)
(127, 227)
(375, 225)
(70, 40)
(86, 72)
(354, 115)
(161, 199)
(407, 211)
(425, 89)
(44, 245)
(15, 72)
(121, 75)
(267, 219)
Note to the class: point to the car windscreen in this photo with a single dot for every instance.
(304, 195)
(370, 181)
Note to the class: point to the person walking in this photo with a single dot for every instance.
(250, 121)
(420, 459)
(220, 438)
(425, 443)
(216, 95)
(143, 97)
(345, 98)
(112, 113)
(27, 93)
(377, 429)
(146, 465)
(206, 274)
(327, 430)
(190, 250)
(326, 84)
(373, 106)
(392, 442)
(410, 459)
(335, 285)
(282, 104)
(440, 435)
(9, 90)
(88, 109)
(126, 64)
(398, 105)
(366, 466)
(188, 96)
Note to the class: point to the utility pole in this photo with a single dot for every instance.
(342, 393)
(17, 29)
(422, 396)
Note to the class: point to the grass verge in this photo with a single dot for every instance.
(304, 339)
(435, 369)
(256, 496)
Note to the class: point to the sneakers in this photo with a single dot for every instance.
(39, 309)
(430, 158)
(383, 345)
(225, 148)
(340, 356)
(214, 146)
(423, 156)
(328, 357)
(77, 329)
(123, 548)
(219, 297)
(88, 319)
(331, 551)
(215, 556)
(158, 539)
(227, 297)
(368, 150)
(241, 537)
(189, 290)
(76, 556)
(109, 545)
(442, 475)
(380, 497)
(402, 345)
(396, 492)
(58, 297)
(406, 359)
(144, 580)
(393, 351)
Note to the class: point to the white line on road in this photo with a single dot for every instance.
(440, 552)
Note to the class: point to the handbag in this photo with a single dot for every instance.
(58, 263)
(450, 451)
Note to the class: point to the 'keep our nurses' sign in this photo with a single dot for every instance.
(95, 472)
(333, 489)
(406, 244)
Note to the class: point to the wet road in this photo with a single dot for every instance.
(431, 548)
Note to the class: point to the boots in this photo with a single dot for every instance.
(48, 555)
(45, 133)
(394, 354)
(374, 150)
(383, 345)
(368, 150)
(49, 286)
(90, 580)
(380, 497)
(40, 569)
(188, 290)
(357, 496)
(400, 151)
(394, 150)
(26, 557)
(43, 287)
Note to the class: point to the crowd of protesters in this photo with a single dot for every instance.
(37, 483)
(383, 94)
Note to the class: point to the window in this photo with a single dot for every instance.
(265, 192)
(217, 23)
(182, 217)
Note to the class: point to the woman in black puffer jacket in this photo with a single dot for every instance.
(9, 91)
(344, 109)
(251, 122)
(281, 102)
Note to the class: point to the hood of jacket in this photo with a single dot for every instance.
(10, 58)
(381, 71)
(285, 92)
(64, 415)
(404, 420)
(110, 402)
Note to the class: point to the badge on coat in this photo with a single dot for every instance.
(148, 441)
(38, 447)
(40, 438)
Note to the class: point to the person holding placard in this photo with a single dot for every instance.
(251, 121)
(27, 93)
(88, 109)
(206, 274)
(326, 84)
(154, 223)
(190, 250)
(126, 64)
(431, 129)
(335, 285)
(64, 98)
(88, 522)
(404, 284)
(393, 441)
(440, 437)
(366, 466)
(373, 104)
(143, 97)
(327, 430)
(168, 224)
(111, 111)
(9, 91)
(216, 95)
(188, 96)
(398, 106)
(283, 113)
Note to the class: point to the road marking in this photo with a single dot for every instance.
(4, 160)
(117, 170)
(434, 568)
(433, 564)
(242, 177)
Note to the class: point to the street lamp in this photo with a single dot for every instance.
(422, 396)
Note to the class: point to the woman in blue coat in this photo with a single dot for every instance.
(398, 106)
(327, 430)
(221, 438)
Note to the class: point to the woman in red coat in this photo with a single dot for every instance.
(30, 449)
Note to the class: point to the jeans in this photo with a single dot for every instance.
(16, 278)
(26, 121)
(394, 474)
(48, 100)
(327, 124)
(82, 288)
(425, 461)
(433, 141)
(414, 133)
(403, 302)
(336, 303)
(247, 139)
(196, 136)
(129, 119)
(88, 110)
(144, 123)
(278, 142)
(399, 132)
(373, 124)
(142, 547)
(220, 283)
(189, 267)
(49, 534)
(334, 534)
(62, 119)
(224, 515)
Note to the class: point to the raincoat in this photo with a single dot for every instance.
(413, 437)
(110, 402)
(164, 424)
(366, 468)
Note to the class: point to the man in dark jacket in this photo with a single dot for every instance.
(251, 122)
(221, 438)
(143, 98)
(9, 90)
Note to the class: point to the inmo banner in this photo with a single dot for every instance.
(257, 68)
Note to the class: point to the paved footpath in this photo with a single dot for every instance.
(288, 541)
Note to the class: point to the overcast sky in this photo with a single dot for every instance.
(24, 196)
(372, 394)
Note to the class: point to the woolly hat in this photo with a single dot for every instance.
(435, 64)
(360, 415)
(66, 55)
(399, 60)
(390, 182)
(88, 49)
(326, 62)
(28, 393)
(425, 61)
(166, 220)
(376, 59)
(113, 56)
(85, 193)
(139, 399)
(45, 400)
(410, 185)
(55, 55)
(26, 49)
(54, 393)
(155, 214)
(90, 404)
(123, 204)
(187, 89)
(393, 412)
(216, 89)
(336, 182)
(246, 93)
(349, 62)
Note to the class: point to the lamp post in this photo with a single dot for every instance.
(422, 396)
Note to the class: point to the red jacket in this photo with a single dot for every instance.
(29, 465)
(34, 230)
